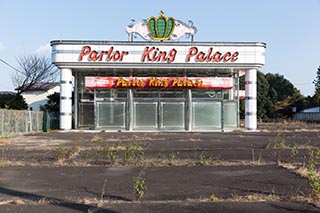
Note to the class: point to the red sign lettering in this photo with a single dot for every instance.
(209, 56)
(158, 82)
(110, 55)
(154, 54)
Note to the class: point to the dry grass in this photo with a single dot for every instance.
(149, 163)
(254, 198)
(303, 172)
(296, 168)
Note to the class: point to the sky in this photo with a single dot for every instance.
(290, 28)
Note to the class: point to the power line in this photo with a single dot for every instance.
(9, 65)
(303, 83)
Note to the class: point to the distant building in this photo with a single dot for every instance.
(310, 114)
(313, 109)
(7, 93)
(37, 94)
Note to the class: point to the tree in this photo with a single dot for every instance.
(317, 80)
(264, 104)
(275, 96)
(283, 95)
(32, 70)
(52, 104)
(280, 88)
(12, 101)
(316, 97)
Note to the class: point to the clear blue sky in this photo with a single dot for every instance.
(291, 28)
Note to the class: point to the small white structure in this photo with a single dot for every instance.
(313, 109)
(38, 93)
(310, 114)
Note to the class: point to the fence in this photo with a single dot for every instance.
(23, 121)
(307, 116)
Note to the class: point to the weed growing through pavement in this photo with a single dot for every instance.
(312, 175)
(111, 154)
(62, 153)
(160, 154)
(313, 156)
(86, 155)
(129, 153)
(294, 152)
(139, 185)
(171, 157)
(214, 198)
(133, 152)
(103, 191)
(278, 144)
(105, 153)
(204, 160)
(314, 181)
(140, 155)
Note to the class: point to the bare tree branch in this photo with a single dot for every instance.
(33, 71)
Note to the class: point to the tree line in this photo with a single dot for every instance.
(277, 97)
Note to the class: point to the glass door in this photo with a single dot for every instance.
(110, 108)
(159, 109)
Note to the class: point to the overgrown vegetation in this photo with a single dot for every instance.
(276, 96)
(278, 145)
(139, 185)
(313, 175)
(61, 153)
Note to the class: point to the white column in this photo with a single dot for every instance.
(251, 99)
(66, 99)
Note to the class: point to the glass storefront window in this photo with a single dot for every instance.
(206, 115)
(172, 115)
(230, 114)
(145, 115)
(110, 114)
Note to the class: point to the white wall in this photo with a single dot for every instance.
(35, 99)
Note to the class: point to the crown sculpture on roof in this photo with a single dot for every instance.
(161, 28)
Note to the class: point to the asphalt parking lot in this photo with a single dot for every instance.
(184, 172)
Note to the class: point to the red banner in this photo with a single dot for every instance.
(158, 82)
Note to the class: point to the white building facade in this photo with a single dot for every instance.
(186, 86)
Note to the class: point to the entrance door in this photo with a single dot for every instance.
(207, 109)
(159, 109)
(110, 109)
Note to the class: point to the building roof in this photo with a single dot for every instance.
(7, 93)
(42, 86)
